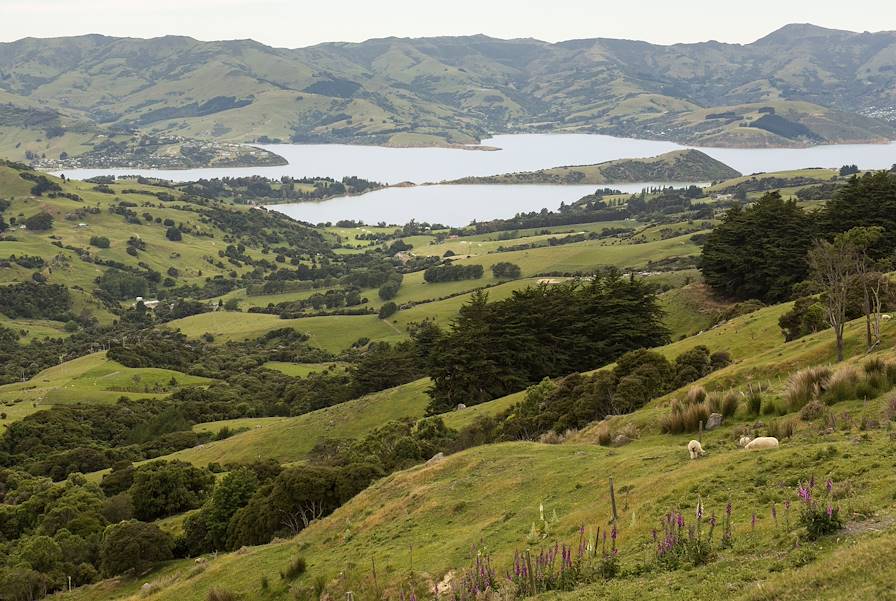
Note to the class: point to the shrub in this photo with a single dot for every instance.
(812, 411)
(805, 385)
(173, 234)
(295, 569)
(100, 242)
(720, 360)
(133, 545)
(506, 271)
(39, 222)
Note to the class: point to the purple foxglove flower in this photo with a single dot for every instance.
(728, 509)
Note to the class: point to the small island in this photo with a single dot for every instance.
(687, 165)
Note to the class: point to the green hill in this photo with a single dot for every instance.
(435, 91)
(677, 166)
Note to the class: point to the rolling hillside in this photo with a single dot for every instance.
(799, 85)
(678, 166)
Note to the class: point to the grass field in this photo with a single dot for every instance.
(428, 518)
(89, 379)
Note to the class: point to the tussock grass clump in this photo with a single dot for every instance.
(781, 428)
(295, 569)
(685, 417)
(725, 403)
(607, 437)
(805, 385)
(695, 395)
(753, 397)
(604, 436)
(842, 384)
(730, 402)
(220, 594)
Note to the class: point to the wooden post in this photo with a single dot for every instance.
(700, 433)
(613, 500)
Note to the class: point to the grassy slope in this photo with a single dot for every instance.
(290, 439)
(489, 496)
(89, 379)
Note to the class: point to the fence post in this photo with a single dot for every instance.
(613, 500)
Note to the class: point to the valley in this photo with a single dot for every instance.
(447, 318)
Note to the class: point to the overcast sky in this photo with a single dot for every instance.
(294, 23)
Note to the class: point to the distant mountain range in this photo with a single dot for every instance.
(104, 98)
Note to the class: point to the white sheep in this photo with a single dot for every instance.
(695, 449)
(744, 441)
(762, 443)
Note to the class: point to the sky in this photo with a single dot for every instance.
(296, 23)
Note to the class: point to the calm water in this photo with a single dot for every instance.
(523, 152)
(448, 205)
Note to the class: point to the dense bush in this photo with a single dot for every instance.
(506, 271)
(39, 222)
(132, 546)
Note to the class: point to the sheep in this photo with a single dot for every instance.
(744, 441)
(886, 317)
(762, 443)
(695, 449)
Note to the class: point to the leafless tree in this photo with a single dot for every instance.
(833, 267)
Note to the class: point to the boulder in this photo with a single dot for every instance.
(436, 458)
(714, 421)
(620, 440)
(461, 406)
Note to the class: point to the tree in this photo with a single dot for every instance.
(163, 488)
(506, 271)
(173, 234)
(833, 268)
(39, 222)
(388, 310)
(847, 170)
(758, 252)
(868, 278)
(133, 546)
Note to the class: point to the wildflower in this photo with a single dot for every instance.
(680, 520)
(699, 510)
(830, 511)
(728, 509)
(829, 485)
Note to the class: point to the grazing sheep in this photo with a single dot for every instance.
(695, 449)
(744, 441)
(762, 443)
(886, 317)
